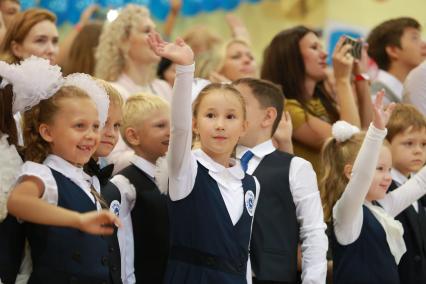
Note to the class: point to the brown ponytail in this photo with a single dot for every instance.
(7, 122)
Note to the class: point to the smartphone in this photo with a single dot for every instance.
(356, 46)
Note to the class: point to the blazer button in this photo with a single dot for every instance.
(114, 268)
(417, 258)
(104, 260)
(111, 249)
(76, 256)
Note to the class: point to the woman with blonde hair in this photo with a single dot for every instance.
(124, 58)
(32, 32)
(230, 61)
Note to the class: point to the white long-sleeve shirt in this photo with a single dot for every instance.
(309, 213)
(347, 212)
(182, 162)
(125, 232)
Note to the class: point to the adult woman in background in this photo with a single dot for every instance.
(124, 58)
(32, 32)
(296, 61)
(230, 61)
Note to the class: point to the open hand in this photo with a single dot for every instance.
(178, 52)
(98, 222)
(381, 115)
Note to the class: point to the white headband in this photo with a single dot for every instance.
(33, 80)
(342, 131)
(94, 90)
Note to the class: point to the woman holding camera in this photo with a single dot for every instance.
(296, 61)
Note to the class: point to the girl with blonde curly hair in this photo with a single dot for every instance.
(124, 58)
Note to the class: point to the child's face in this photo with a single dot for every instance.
(255, 116)
(412, 48)
(110, 132)
(408, 150)
(153, 135)
(382, 177)
(73, 133)
(220, 123)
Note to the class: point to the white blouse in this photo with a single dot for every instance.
(75, 174)
(125, 232)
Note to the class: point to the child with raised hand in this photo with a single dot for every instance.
(212, 201)
(53, 194)
(367, 240)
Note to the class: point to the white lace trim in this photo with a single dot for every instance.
(95, 91)
(33, 80)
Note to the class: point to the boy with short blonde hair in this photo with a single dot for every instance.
(407, 137)
(144, 236)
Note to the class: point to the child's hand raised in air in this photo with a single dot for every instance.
(381, 114)
(98, 223)
(178, 52)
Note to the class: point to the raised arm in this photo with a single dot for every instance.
(402, 197)
(180, 163)
(347, 213)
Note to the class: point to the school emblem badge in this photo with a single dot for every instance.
(115, 207)
(249, 199)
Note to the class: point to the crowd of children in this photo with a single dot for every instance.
(207, 189)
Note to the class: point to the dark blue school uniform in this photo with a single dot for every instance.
(67, 255)
(12, 244)
(205, 245)
(412, 266)
(368, 260)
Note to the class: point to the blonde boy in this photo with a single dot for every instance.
(407, 137)
(146, 130)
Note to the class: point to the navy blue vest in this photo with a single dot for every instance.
(150, 221)
(368, 260)
(112, 195)
(412, 267)
(12, 244)
(206, 246)
(66, 255)
(275, 235)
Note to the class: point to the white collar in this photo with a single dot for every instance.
(143, 165)
(391, 82)
(260, 150)
(235, 170)
(76, 174)
(398, 177)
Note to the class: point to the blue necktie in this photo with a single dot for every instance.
(245, 159)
